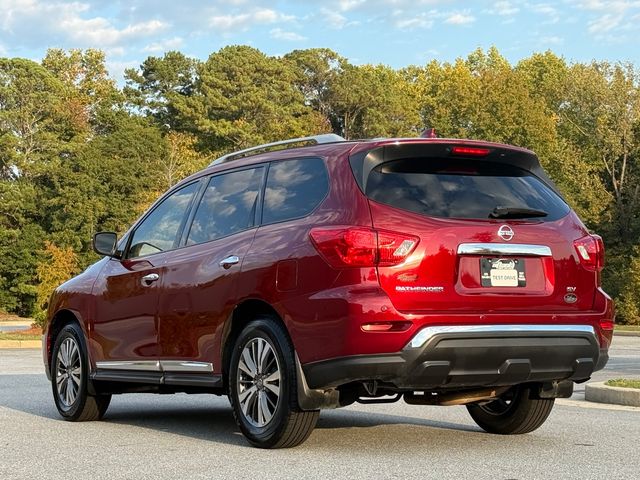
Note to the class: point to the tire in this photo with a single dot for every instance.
(70, 377)
(265, 407)
(516, 412)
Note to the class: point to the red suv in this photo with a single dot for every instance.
(319, 272)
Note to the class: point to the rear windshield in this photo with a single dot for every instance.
(462, 189)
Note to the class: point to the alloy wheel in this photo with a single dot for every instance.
(68, 372)
(258, 382)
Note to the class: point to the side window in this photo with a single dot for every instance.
(228, 205)
(294, 189)
(158, 232)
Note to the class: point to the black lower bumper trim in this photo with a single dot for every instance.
(454, 360)
(200, 380)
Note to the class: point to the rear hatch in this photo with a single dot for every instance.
(493, 234)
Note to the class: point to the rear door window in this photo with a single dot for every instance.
(294, 189)
(462, 189)
(228, 205)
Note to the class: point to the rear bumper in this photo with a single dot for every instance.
(454, 357)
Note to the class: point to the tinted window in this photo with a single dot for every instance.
(228, 205)
(158, 231)
(461, 189)
(294, 189)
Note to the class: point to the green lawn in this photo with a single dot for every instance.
(628, 328)
(18, 336)
(623, 382)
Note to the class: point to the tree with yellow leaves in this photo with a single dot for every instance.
(58, 265)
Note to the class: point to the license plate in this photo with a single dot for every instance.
(502, 272)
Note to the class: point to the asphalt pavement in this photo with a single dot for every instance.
(194, 436)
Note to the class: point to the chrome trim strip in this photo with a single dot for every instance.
(504, 249)
(138, 365)
(427, 333)
(184, 366)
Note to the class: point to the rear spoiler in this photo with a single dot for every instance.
(363, 162)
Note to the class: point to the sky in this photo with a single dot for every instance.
(393, 32)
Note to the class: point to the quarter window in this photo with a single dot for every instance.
(228, 205)
(159, 230)
(294, 189)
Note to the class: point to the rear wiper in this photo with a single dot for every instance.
(516, 212)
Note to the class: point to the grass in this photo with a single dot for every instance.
(623, 382)
(34, 333)
(628, 328)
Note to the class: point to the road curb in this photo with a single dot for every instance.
(600, 393)
(20, 344)
(624, 333)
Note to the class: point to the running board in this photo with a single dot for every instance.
(159, 378)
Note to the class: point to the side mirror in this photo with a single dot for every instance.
(104, 243)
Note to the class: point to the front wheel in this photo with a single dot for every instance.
(263, 390)
(516, 412)
(69, 378)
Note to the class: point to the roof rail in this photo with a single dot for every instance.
(314, 140)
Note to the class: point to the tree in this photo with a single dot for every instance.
(20, 243)
(32, 117)
(601, 115)
(181, 159)
(57, 266)
(242, 98)
(158, 83)
(101, 186)
(317, 70)
(374, 101)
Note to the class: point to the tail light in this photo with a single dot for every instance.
(590, 251)
(362, 247)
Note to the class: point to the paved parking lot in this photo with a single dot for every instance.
(182, 436)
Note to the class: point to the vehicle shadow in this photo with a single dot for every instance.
(209, 418)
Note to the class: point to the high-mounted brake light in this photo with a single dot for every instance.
(470, 151)
(590, 251)
(345, 247)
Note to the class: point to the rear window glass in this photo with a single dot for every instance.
(294, 189)
(461, 189)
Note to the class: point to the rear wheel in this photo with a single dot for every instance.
(516, 412)
(263, 390)
(69, 379)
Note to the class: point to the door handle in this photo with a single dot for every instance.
(230, 261)
(149, 279)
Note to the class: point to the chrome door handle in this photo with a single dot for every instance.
(149, 279)
(228, 262)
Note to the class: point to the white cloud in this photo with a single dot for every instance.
(504, 9)
(346, 5)
(334, 19)
(242, 21)
(604, 23)
(99, 31)
(164, 45)
(609, 16)
(551, 40)
(460, 19)
(280, 34)
(421, 21)
(547, 10)
(29, 22)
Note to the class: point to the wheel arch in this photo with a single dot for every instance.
(59, 320)
(243, 313)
